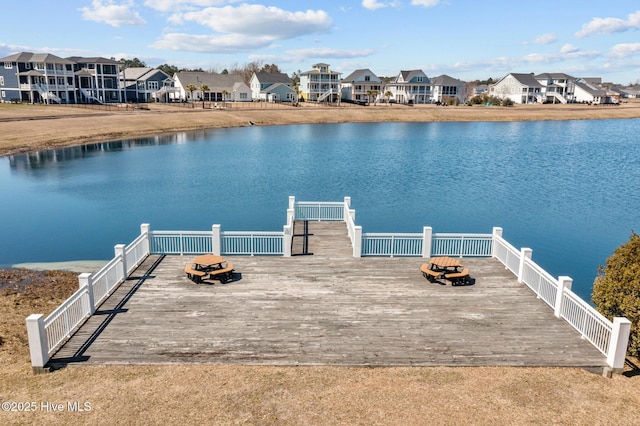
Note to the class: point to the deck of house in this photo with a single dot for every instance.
(326, 308)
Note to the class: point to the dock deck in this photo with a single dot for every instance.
(327, 308)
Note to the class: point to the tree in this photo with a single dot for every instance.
(131, 63)
(224, 97)
(191, 88)
(273, 68)
(203, 88)
(169, 70)
(388, 95)
(616, 290)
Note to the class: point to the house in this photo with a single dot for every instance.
(144, 84)
(557, 87)
(320, 84)
(272, 87)
(585, 92)
(37, 77)
(361, 86)
(220, 87)
(410, 87)
(520, 88)
(445, 88)
(97, 79)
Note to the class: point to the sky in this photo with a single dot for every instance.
(465, 39)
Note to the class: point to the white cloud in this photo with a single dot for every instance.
(609, 25)
(373, 4)
(170, 5)
(425, 3)
(225, 43)
(624, 50)
(547, 38)
(261, 21)
(325, 52)
(108, 12)
(569, 48)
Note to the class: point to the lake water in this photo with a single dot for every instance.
(570, 190)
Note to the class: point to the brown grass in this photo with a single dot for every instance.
(32, 127)
(225, 394)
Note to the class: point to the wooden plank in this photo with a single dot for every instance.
(326, 309)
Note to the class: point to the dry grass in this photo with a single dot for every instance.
(32, 127)
(224, 394)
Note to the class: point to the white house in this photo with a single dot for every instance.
(520, 88)
(410, 87)
(272, 87)
(361, 86)
(320, 84)
(444, 88)
(557, 87)
(221, 87)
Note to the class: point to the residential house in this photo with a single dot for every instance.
(272, 87)
(520, 88)
(97, 79)
(143, 84)
(320, 84)
(221, 87)
(37, 77)
(557, 87)
(361, 86)
(445, 88)
(410, 87)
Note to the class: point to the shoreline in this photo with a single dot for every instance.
(30, 128)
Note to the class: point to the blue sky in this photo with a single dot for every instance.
(466, 39)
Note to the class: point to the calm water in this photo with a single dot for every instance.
(569, 190)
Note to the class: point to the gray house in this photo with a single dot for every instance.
(143, 84)
(272, 87)
(444, 88)
(220, 87)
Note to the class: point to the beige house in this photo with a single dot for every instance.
(320, 84)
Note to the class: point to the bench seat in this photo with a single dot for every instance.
(461, 277)
(429, 273)
(193, 274)
(224, 274)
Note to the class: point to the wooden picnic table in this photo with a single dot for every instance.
(445, 262)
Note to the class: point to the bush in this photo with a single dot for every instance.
(616, 290)
(507, 102)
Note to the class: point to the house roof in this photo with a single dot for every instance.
(351, 78)
(445, 80)
(407, 76)
(272, 77)
(275, 86)
(216, 82)
(554, 76)
(142, 73)
(92, 60)
(524, 79)
(590, 89)
(46, 58)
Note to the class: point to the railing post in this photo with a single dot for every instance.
(618, 344)
(497, 232)
(292, 202)
(357, 241)
(564, 283)
(427, 241)
(145, 229)
(38, 348)
(286, 240)
(525, 253)
(347, 207)
(216, 241)
(291, 216)
(86, 279)
(119, 250)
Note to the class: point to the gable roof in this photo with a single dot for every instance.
(142, 73)
(445, 80)
(216, 82)
(554, 76)
(524, 79)
(272, 77)
(276, 86)
(351, 78)
(92, 60)
(407, 76)
(46, 58)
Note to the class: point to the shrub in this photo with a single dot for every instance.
(616, 290)
(507, 102)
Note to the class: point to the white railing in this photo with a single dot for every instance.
(61, 323)
(181, 242)
(319, 211)
(507, 254)
(106, 280)
(252, 243)
(591, 324)
(384, 244)
(539, 280)
(136, 252)
(462, 245)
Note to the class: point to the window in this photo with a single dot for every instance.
(243, 96)
(27, 65)
(59, 67)
(8, 65)
(367, 78)
(4, 95)
(419, 79)
(152, 85)
(1, 80)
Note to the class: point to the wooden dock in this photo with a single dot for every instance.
(327, 308)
